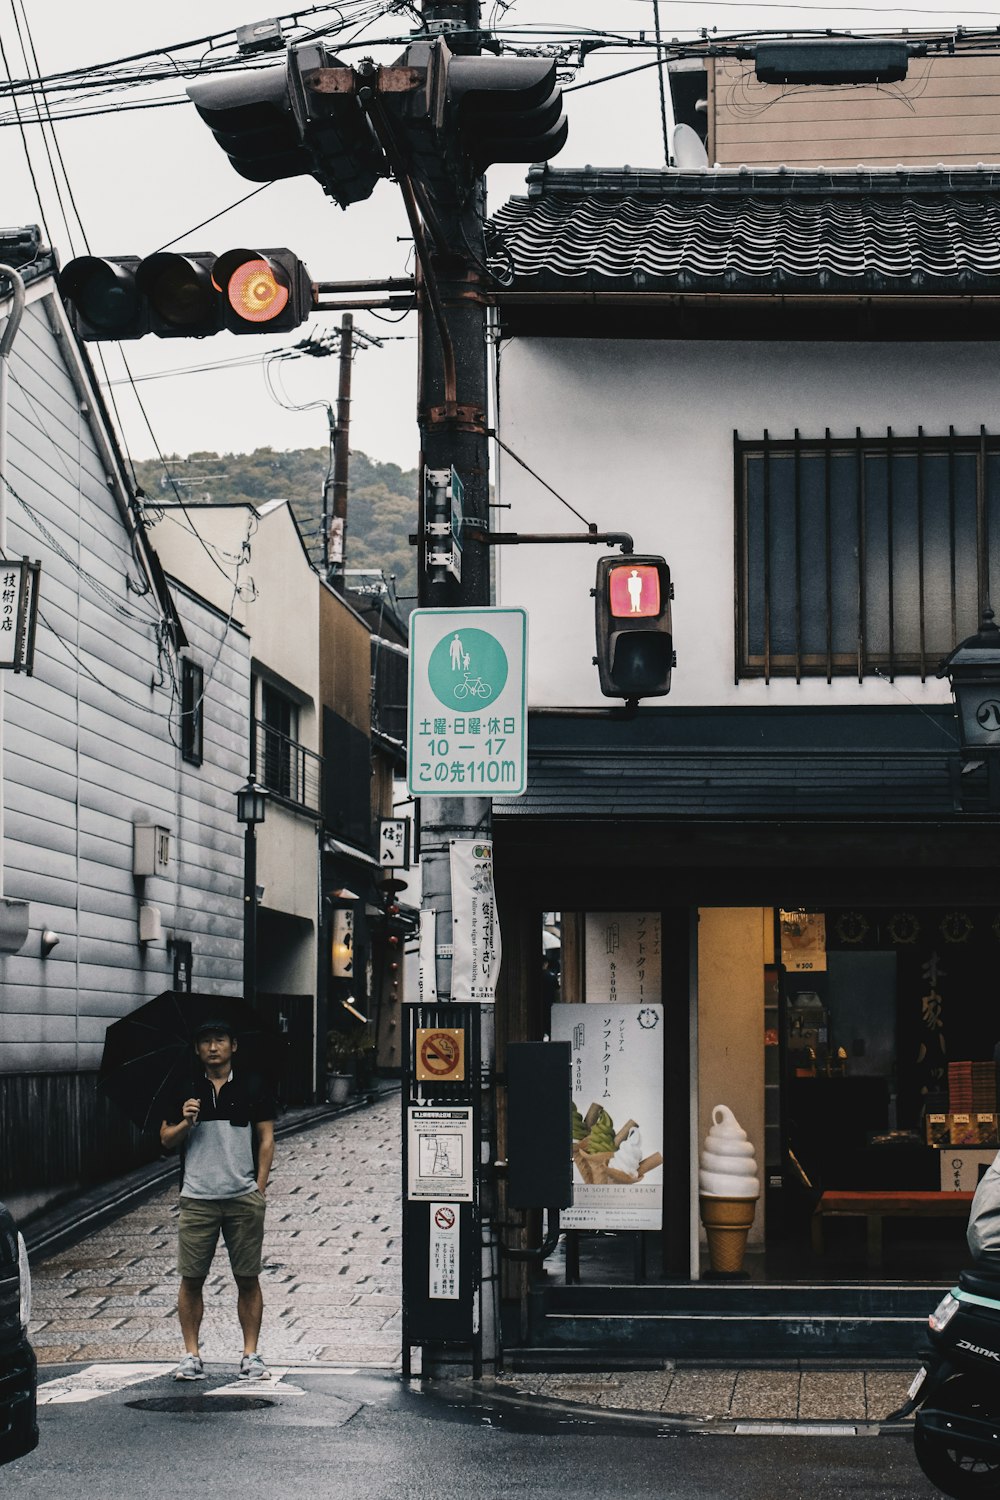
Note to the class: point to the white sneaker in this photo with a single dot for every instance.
(252, 1367)
(190, 1368)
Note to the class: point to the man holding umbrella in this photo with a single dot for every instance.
(225, 1130)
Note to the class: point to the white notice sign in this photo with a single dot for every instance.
(440, 1154)
(444, 1263)
(467, 731)
(475, 963)
(616, 1053)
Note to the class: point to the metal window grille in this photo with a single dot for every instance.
(192, 720)
(289, 771)
(862, 555)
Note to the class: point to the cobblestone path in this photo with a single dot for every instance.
(331, 1277)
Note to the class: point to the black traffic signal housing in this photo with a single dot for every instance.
(186, 294)
(505, 109)
(299, 118)
(635, 644)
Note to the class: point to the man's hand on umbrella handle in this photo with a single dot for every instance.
(191, 1111)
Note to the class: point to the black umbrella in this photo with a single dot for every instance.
(149, 1062)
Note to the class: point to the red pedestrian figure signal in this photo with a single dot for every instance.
(635, 645)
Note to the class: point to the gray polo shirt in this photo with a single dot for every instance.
(218, 1155)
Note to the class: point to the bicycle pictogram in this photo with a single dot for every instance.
(473, 687)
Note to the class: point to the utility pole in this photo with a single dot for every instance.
(451, 412)
(337, 533)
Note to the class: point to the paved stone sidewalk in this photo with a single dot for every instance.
(331, 1277)
(752, 1395)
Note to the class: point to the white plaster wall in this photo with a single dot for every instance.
(638, 436)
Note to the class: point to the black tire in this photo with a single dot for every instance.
(956, 1472)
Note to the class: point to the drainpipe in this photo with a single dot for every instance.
(6, 340)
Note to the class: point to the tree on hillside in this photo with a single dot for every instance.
(381, 499)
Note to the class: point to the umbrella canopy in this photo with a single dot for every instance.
(149, 1060)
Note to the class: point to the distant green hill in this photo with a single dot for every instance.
(381, 501)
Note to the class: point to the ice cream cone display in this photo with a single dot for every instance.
(602, 1154)
(728, 1189)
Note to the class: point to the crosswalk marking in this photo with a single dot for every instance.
(274, 1385)
(96, 1380)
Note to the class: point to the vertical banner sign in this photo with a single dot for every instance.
(616, 1053)
(342, 943)
(427, 964)
(622, 956)
(444, 1276)
(475, 963)
(394, 843)
(18, 614)
(467, 727)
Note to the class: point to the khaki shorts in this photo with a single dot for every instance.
(241, 1221)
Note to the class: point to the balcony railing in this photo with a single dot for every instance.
(289, 771)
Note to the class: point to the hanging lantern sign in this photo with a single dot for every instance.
(18, 614)
(342, 945)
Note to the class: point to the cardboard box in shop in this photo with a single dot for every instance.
(962, 1168)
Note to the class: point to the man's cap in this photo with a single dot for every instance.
(218, 1027)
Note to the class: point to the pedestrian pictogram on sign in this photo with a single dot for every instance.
(440, 1054)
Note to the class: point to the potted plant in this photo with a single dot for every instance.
(340, 1067)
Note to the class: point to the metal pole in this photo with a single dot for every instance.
(250, 914)
(341, 457)
(6, 340)
(455, 434)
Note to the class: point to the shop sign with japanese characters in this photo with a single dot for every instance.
(475, 965)
(467, 716)
(622, 953)
(18, 614)
(616, 1054)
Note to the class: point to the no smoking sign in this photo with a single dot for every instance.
(440, 1054)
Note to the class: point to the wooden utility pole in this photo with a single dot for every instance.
(337, 530)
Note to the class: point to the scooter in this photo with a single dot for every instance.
(956, 1393)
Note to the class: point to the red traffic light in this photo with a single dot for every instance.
(635, 645)
(187, 295)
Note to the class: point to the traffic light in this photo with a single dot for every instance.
(186, 294)
(294, 120)
(635, 645)
(506, 109)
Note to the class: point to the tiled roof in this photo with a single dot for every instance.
(913, 231)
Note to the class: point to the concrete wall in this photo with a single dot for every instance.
(731, 1025)
(638, 436)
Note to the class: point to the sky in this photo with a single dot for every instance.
(145, 178)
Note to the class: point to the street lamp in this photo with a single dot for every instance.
(251, 809)
(973, 671)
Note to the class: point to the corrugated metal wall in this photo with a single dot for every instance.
(91, 746)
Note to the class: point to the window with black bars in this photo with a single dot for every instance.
(864, 555)
(192, 724)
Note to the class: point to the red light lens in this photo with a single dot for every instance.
(255, 293)
(634, 591)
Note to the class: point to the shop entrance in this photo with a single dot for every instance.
(881, 1026)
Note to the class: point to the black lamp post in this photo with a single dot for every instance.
(251, 809)
(973, 671)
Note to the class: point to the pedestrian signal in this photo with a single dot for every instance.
(635, 646)
(186, 294)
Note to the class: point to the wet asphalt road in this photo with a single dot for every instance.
(364, 1436)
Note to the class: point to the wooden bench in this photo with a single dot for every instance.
(874, 1207)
